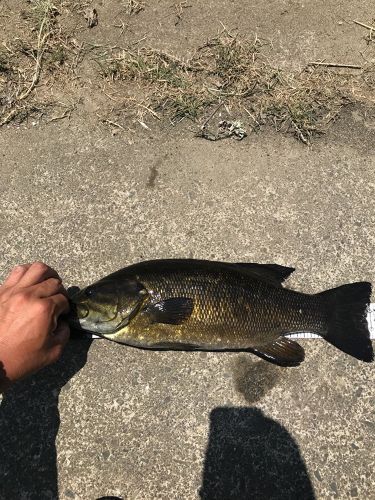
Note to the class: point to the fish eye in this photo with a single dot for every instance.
(90, 291)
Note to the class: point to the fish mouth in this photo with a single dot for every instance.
(77, 313)
(82, 311)
(78, 319)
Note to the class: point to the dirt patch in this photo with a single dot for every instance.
(232, 72)
(53, 63)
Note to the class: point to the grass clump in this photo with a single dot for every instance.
(5, 64)
(133, 7)
(227, 73)
(42, 46)
(233, 72)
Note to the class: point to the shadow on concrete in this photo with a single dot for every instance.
(250, 456)
(255, 378)
(29, 422)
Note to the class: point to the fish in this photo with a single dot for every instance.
(188, 304)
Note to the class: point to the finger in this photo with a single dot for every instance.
(16, 274)
(61, 304)
(57, 341)
(61, 334)
(37, 272)
(47, 288)
(54, 353)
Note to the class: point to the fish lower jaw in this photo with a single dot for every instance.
(102, 328)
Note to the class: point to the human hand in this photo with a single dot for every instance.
(32, 334)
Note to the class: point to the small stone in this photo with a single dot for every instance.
(317, 475)
(334, 488)
(91, 16)
(354, 492)
(359, 391)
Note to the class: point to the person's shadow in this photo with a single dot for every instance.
(29, 422)
(250, 456)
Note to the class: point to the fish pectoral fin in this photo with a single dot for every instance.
(269, 272)
(171, 311)
(283, 352)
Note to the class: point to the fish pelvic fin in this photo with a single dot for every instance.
(282, 352)
(346, 310)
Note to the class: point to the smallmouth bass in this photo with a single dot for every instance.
(188, 304)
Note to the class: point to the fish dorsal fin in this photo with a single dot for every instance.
(282, 352)
(269, 272)
(171, 311)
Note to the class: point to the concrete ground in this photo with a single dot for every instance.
(110, 420)
(167, 425)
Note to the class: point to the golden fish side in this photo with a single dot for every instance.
(228, 313)
(189, 304)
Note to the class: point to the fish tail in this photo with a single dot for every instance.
(346, 311)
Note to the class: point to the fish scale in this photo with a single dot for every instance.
(231, 310)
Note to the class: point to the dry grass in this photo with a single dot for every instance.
(133, 7)
(228, 71)
(233, 72)
(19, 82)
(43, 48)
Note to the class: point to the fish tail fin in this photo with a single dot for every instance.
(346, 310)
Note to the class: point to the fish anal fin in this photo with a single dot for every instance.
(273, 272)
(171, 311)
(282, 352)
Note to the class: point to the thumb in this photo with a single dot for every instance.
(61, 333)
(57, 341)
